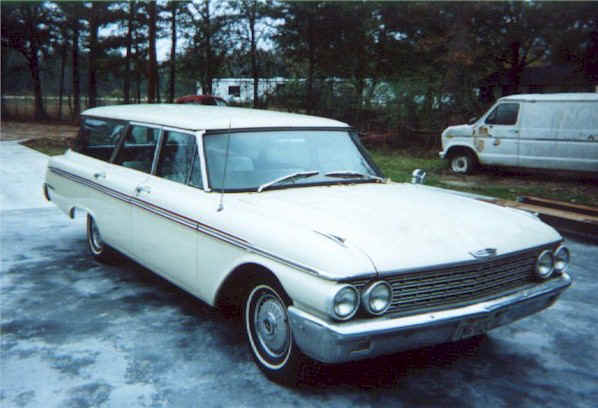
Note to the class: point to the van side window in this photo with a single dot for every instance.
(139, 148)
(176, 156)
(503, 114)
(98, 137)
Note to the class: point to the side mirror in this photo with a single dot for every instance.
(418, 176)
(472, 120)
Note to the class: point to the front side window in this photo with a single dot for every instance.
(98, 137)
(177, 156)
(244, 161)
(138, 149)
(503, 114)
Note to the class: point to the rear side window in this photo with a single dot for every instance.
(139, 148)
(98, 137)
(176, 156)
(503, 114)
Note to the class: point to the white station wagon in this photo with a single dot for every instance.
(286, 218)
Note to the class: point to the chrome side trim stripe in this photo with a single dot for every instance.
(191, 223)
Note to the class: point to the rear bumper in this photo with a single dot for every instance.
(336, 342)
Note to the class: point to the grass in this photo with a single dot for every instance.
(493, 182)
(398, 165)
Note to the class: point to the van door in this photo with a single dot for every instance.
(559, 135)
(496, 139)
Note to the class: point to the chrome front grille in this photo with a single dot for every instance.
(420, 291)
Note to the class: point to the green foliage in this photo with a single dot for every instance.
(428, 56)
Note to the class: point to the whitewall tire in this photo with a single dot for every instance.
(269, 333)
(96, 245)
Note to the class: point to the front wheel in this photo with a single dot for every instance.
(269, 333)
(462, 162)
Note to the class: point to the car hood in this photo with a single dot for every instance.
(458, 131)
(402, 226)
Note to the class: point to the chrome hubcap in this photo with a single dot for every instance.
(271, 325)
(96, 238)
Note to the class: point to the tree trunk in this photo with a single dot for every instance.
(209, 57)
(311, 62)
(458, 55)
(92, 88)
(32, 56)
(76, 81)
(171, 82)
(158, 98)
(137, 72)
(63, 55)
(252, 18)
(39, 112)
(127, 73)
(152, 77)
(516, 68)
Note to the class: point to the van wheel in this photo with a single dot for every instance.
(269, 333)
(96, 245)
(462, 162)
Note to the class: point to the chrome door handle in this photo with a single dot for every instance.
(514, 130)
(99, 175)
(142, 189)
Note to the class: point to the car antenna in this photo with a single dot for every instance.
(221, 204)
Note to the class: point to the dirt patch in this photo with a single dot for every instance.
(24, 130)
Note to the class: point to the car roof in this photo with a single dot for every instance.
(555, 97)
(202, 117)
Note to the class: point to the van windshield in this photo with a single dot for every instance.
(248, 160)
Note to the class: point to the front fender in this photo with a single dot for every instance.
(307, 291)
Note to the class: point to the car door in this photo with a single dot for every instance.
(125, 178)
(165, 233)
(97, 142)
(496, 138)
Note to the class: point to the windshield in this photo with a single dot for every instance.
(274, 158)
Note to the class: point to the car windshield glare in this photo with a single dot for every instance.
(244, 161)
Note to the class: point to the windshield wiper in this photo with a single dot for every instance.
(352, 174)
(300, 174)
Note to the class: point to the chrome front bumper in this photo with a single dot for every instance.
(336, 342)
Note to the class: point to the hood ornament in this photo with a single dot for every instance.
(484, 253)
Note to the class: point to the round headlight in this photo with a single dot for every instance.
(377, 297)
(561, 259)
(345, 302)
(545, 264)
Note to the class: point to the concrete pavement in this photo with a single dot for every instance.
(76, 333)
(21, 173)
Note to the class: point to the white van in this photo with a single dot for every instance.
(545, 131)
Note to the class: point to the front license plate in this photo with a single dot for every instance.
(473, 327)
